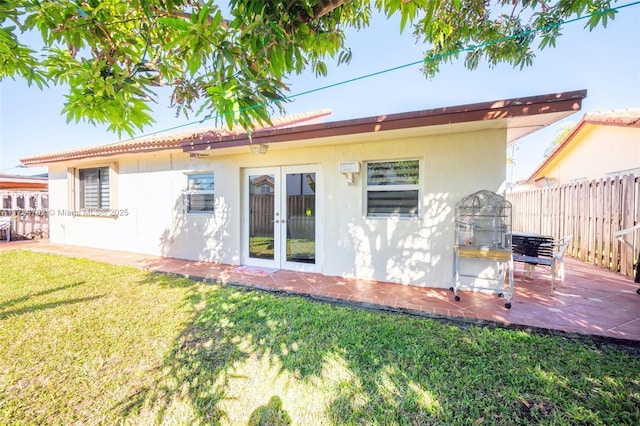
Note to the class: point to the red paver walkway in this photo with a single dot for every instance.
(591, 301)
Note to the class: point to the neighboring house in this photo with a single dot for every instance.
(23, 192)
(23, 198)
(263, 185)
(371, 198)
(602, 144)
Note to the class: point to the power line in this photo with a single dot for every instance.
(407, 65)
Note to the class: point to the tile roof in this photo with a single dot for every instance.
(8, 182)
(620, 117)
(159, 142)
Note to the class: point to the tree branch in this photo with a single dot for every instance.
(327, 6)
(320, 10)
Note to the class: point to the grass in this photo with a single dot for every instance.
(85, 342)
(297, 248)
(261, 247)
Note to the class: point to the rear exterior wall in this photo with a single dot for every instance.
(148, 197)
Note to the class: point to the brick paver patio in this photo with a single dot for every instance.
(591, 301)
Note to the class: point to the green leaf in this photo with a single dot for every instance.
(177, 23)
(277, 30)
(146, 7)
(217, 19)
(321, 69)
(203, 16)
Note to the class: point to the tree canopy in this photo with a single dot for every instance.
(231, 60)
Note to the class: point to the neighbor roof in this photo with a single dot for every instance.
(622, 118)
(17, 182)
(162, 142)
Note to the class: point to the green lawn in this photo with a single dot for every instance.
(261, 247)
(84, 342)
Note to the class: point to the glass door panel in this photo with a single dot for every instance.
(280, 218)
(300, 205)
(262, 216)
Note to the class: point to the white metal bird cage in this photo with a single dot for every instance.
(482, 250)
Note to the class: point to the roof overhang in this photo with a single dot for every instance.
(11, 182)
(165, 142)
(519, 116)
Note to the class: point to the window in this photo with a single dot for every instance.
(392, 188)
(94, 188)
(20, 202)
(266, 189)
(200, 195)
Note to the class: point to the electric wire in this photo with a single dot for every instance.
(396, 68)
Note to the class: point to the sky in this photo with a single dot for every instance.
(605, 61)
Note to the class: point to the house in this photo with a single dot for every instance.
(371, 198)
(602, 144)
(24, 200)
(23, 192)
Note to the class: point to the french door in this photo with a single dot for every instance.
(281, 210)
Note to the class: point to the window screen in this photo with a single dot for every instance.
(94, 188)
(392, 188)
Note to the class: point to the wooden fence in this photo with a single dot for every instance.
(590, 211)
(300, 210)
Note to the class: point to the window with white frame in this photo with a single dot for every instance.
(95, 188)
(200, 193)
(393, 188)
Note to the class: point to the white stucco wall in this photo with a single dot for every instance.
(411, 251)
(600, 150)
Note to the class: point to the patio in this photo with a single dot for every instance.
(591, 301)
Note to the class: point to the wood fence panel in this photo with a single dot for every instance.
(545, 211)
(570, 229)
(261, 207)
(626, 255)
(590, 218)
(598, 206)
(584, 222)
(636, 236)
(261, 211)
(301, 205)
(575, 243)
(590, 211)
(615, 222)
(559, 219)
(576, 219)
(607, 235)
